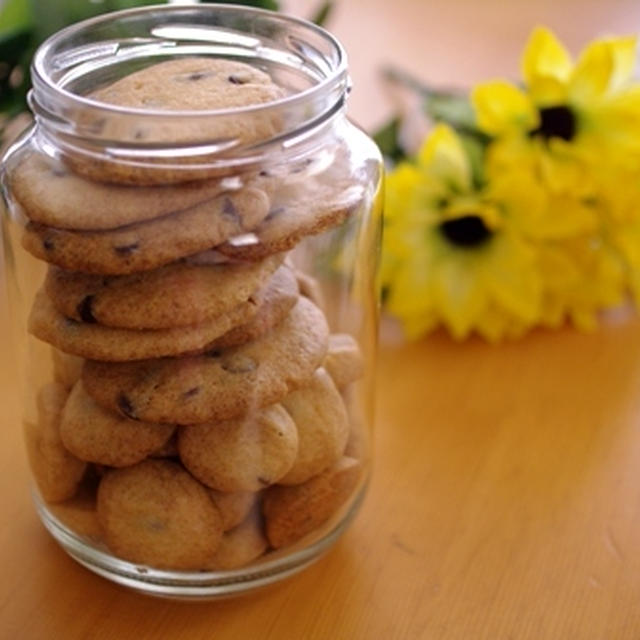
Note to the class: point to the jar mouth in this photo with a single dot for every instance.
(305, 59)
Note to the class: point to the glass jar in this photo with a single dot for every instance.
(191, 243)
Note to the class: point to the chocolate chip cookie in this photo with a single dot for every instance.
(96, 435)
(178, 294)
(154, 513)
(245, 454)
(147, 245)
(220, 385)
(91, 340)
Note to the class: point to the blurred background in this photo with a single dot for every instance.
(443, 42)
(440, 44)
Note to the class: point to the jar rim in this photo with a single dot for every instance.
(43, 82)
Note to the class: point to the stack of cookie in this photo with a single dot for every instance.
(197, 416)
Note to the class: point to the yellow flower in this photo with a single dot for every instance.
(570, 117)
(626, 239)
(541, 213)
(451, 255)
(582, 276)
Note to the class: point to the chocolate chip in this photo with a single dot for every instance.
(124, 404)
(229, 209)
(127, 249)
(214, 353)
(197, 75)
(235, 80)
(139, 134)
(264, 174)
(85, 311)
(191, 392)
(48, 244)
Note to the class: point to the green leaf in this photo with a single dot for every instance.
(54, 15)
(15, 15)
(444, 105)
(387, 139)
(452, 108)
(322, 14)
(13, 46)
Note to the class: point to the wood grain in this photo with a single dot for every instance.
(505, 505)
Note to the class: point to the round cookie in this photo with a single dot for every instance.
(293, 512)
(219, 385)
(234, 506)
(274, 302)
(344, 361)
(93, 434)
(155, 513)
(240, 546)
(117, 345)
(148, 245)
(301, 205)
(175, 295)
(185, 85)
(246, 454)
(323, 427)
(52, 195)
(56, 471)
(195, 84)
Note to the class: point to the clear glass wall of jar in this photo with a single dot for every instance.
(191, 247)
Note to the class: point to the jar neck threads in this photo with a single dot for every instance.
(302, 58)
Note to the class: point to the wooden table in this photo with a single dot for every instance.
(505, 503)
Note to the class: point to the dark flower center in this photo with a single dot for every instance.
(556, 122)
(466, 232)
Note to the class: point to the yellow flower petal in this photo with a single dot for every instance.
(400, 186)
(592, 74)
(584, 319)
(496, 323)
(549, 92)
(565, 216)
(442, 156)
(458, 294)
(418, 325)
(616, 122)
(502, 108)
(624, 53)
(509, 277)
(544, 58)
(522, 197)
